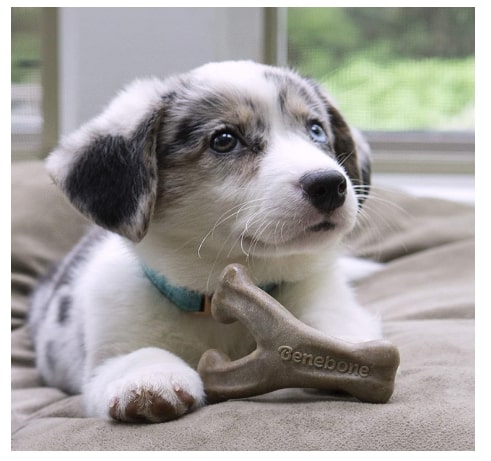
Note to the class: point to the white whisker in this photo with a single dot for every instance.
(257, 236)
(230, 213)
(369, 229)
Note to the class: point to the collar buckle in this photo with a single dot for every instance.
(205, 310)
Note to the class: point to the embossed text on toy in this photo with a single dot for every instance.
(325, 362)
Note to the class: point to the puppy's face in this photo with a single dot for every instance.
(233, 158)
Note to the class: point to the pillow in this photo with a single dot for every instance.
(44, 227)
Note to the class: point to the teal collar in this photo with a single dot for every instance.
(184, 299)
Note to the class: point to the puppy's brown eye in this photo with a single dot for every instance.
(224, 142)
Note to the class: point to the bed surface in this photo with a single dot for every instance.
(424, 294)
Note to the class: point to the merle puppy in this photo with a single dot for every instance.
(231, 162)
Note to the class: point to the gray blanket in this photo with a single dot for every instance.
(424, 294)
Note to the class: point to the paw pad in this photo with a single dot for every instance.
(146, 405)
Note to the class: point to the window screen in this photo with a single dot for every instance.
(390, 69)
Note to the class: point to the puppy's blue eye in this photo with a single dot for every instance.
(317, 133)
(224, 142)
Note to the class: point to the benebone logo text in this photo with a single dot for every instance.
(325, 362)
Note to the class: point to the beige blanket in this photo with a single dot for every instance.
(425, 296)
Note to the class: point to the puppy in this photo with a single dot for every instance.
(231, 162)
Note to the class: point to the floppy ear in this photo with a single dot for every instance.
(350, 147)
(364, 155)
(108, 168)
(352, 151)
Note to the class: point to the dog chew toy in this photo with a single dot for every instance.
(289, 354)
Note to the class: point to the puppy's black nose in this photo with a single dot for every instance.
(325, 189)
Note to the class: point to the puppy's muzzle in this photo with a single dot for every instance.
(326, 189)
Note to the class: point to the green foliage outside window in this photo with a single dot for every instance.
(390, 68)
(25, 45)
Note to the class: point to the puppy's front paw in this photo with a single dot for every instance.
(147, 403)
(147, 385)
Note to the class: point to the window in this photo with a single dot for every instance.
(403, 75)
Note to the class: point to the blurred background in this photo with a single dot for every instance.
(405, 76)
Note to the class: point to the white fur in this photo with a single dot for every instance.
(146, 370)
(136, 342)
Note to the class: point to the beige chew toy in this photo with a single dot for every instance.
(289, 354)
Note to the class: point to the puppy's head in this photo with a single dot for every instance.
(233, 156)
